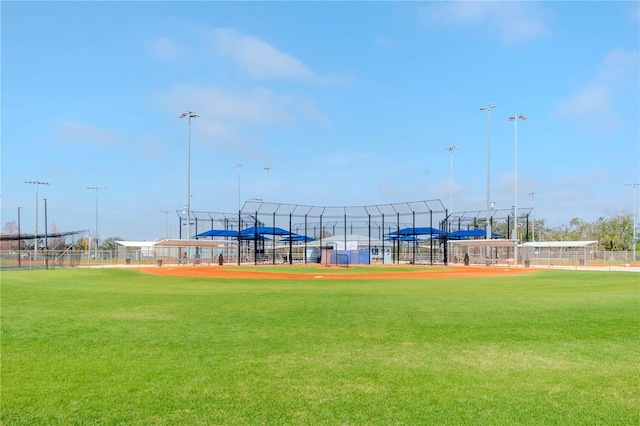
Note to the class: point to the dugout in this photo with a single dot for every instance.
(483, 252)
(173, 251)
(560, 253)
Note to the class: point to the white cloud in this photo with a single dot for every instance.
(71, 131)
(256, 106)
(224, 113)
(592, 99)
(594, 103)
(257, 58)
(517, 22)
(166, 49)
(620, 68)
(634, 13)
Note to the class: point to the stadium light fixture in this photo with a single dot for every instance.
(488, 107)
(266, 184)
(515, 119)
(189, 115)
(97, 189)
(35, 236)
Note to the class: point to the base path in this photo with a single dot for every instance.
(333, 273)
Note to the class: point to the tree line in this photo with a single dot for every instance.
(613, 234)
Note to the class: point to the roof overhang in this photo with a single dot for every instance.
(560, 244)
(175, 243)
(136, 243)
(485, 243)
(192, 243)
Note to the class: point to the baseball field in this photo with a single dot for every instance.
(314, 345)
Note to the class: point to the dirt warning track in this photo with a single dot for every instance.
(332, 273)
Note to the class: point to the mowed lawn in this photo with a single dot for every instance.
(119, 347)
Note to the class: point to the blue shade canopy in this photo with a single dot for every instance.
(259, 232)
(416, 231)
(296, 238)
(406, 238)
(254, 231)
(218, 233)
(463, 235)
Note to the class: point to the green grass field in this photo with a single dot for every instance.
(116, 346)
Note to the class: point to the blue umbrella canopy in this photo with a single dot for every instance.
(417, 231)
(260, 232)
(463, 235)
(296, 238)
(405, 238)
(256, 231)
(218, 233)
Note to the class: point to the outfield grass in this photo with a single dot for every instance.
(110, 346)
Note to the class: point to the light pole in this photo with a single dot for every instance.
(97, 189)
(633, 187)
(35, 236)
(166, 223)
(451, 148)
(491, 208)
(266, 184)
(533, 219)
(189, 115)
(238, 166)
(46, 237)
(515, 118)
(488, 107)
(19, 240)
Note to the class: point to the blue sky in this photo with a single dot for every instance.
(348, 103)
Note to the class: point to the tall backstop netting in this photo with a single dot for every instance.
(46, 250)
(263, 232)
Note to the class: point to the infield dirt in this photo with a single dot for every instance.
(332, 273)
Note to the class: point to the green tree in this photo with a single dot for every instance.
(615, 233)
(81, 244)
(110, 244)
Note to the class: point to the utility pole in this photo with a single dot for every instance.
(166, 224)
(35, 236)
(97, 189)
(633, 187)
(488, 108)
(533, 219)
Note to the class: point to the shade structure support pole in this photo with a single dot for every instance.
(255, 239)
(398, 239)
(383, 252)
(345, 231)
(415, 243)
(305, 239)
(431, 235)
(273, 254)
(290, 245)
(239, 238)
(369, 226)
